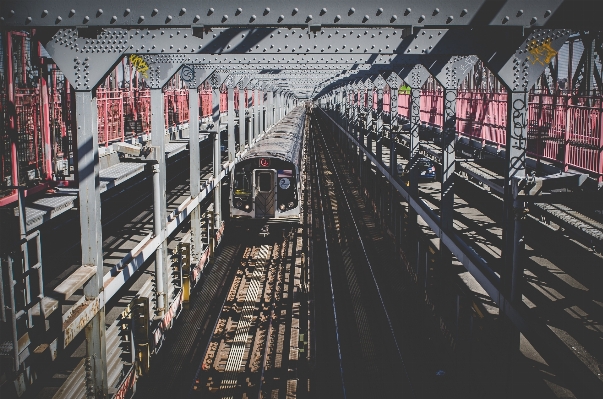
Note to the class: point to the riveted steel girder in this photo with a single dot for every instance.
(40, 13)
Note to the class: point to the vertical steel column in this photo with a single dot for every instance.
(231, 127)
(354, 117)
(413, 188)
(251, 108)
(256, 111)
(415, 123)
(263, 115)
(160, 200)
(393, 124)
(589, 66)
(91, 237)
(242, 120)
(514, 214)
(345, 110)
(448, 165)
(448, 162)
(217, 159)
(379, 125)
(514, 209)
(270, 109)
(350, 126)
(369, 120)
(276, 108)
(195, 171)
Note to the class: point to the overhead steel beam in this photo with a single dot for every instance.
(41, 13)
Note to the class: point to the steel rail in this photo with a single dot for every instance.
(349, 208)
(322, 214)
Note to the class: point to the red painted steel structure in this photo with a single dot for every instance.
(559, 131)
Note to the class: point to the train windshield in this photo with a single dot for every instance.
(265, 182)
(242, 185)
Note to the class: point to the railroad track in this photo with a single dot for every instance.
(369, 360)
(252, 349)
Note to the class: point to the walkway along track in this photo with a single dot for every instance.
(376, 323)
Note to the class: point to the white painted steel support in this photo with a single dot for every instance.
(256, 112)
(217, 160)
(369, 120)
(231, 125)
(393, 112)
(262, 113)
(195, 171)
(270, 110)
(242, 120)
(160, 200)
(91, 238)
(379, 124)
(448, 159)
(415, 124)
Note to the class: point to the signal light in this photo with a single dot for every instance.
(264, 162)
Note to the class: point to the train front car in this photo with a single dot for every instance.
(266, 181)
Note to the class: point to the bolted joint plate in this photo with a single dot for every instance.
(84, 61)
(194, 75)
(379, 82)
(451, 72)
(414, 75)
(232, 81)
(393, 80)
(520, 69)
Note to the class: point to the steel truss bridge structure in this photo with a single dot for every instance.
(353, 59)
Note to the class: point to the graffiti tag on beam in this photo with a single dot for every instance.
(139, 64)
(541, 53)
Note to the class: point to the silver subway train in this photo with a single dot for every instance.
(266, 182)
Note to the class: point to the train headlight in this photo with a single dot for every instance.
(282, 207)
(291, 204)
(247, 207)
